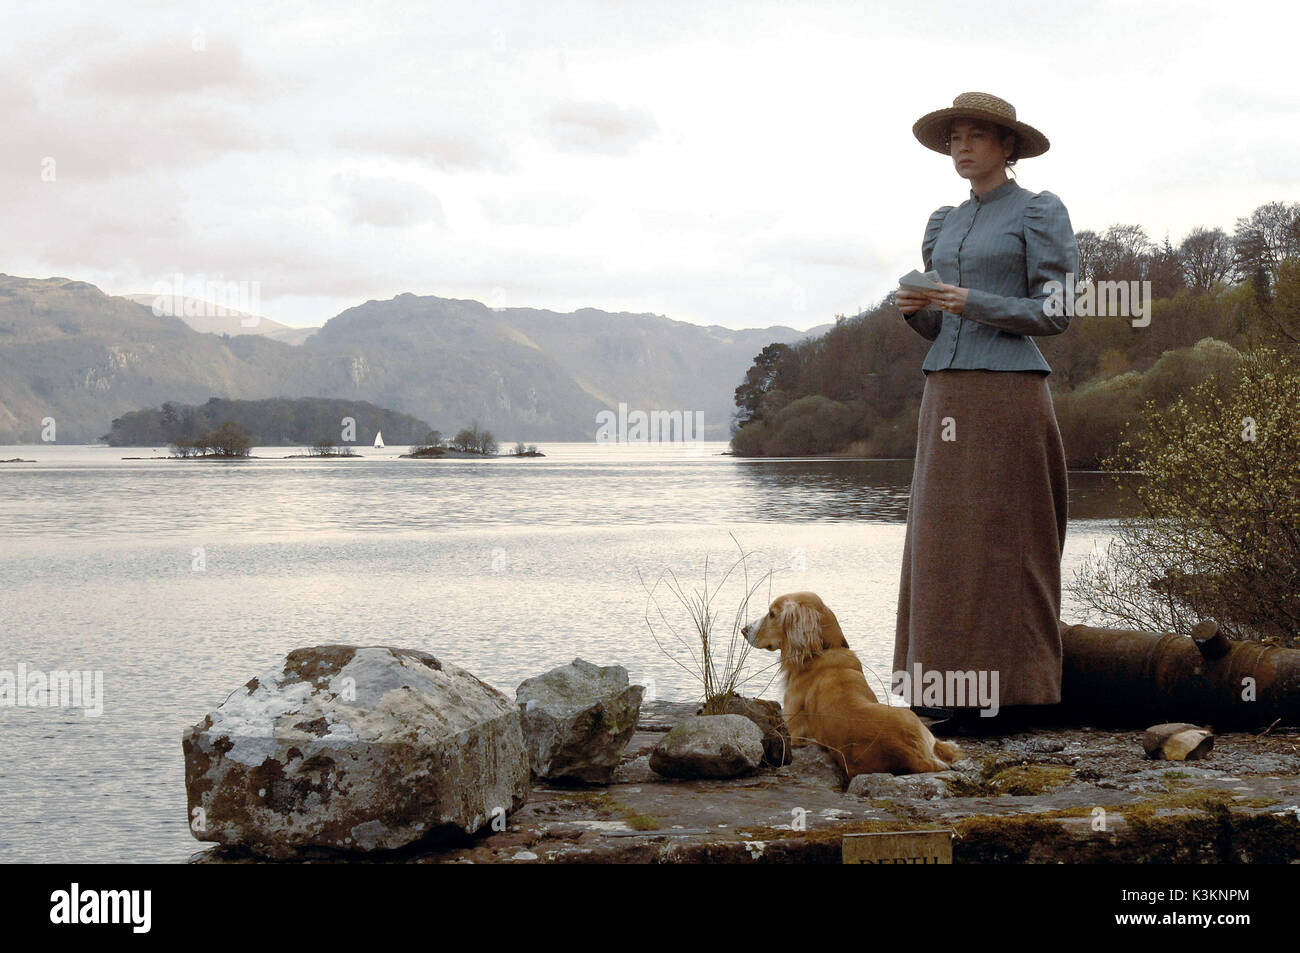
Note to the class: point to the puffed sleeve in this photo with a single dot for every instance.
(927, 322)
(1050, 252)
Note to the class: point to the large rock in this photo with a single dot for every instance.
(927, 787)
(577, 720)
(354, 748)
(815, 765)
(777, 750)
(709, 746)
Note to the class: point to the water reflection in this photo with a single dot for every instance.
(505, 567)
(81, 492)
(878, 491)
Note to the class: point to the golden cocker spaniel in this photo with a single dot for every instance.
(828, 700)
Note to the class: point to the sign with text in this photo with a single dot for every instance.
(899, 847)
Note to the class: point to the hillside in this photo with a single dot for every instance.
(70, 352)
(208, 317)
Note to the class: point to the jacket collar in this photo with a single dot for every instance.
(992, 195)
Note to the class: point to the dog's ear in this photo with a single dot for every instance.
(803, 631)
(832, 634)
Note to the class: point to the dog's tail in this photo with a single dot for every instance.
(947, 751)
(940, 754)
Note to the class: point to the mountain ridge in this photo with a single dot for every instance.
(71, 352)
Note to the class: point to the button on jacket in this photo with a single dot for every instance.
(1002, 245)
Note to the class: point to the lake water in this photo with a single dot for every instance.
(181, 580)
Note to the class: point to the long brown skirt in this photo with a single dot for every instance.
(981, 581)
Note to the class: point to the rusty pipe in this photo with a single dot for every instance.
(1122, 677)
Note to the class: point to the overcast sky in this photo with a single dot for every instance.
(743, 164)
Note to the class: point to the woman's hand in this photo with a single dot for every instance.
(950, 298)
(909, 301)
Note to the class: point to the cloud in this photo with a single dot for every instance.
(102, 141)
(599, 127)
(537, 207)
(761, 156)
(163, 69)
(98, 136)
(386, 202)
(448, 148)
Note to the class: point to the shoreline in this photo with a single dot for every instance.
(1053, 795)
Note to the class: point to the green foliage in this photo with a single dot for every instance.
(1283, 312)
(1219, 483)
(809, 425)
(1095, 417)
(278, 421)
(227, 440)
(759, 380)
(868, 364)
(1103, 368)
(750, 441)
(473, 440)
(1178, 371)
(230, 440)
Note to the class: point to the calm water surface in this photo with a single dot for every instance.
(181, 580)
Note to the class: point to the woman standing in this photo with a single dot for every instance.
(981, 581)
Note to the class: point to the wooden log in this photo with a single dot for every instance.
(1122, 677)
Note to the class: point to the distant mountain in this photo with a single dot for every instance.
(539, 374)
(70, 352)
(208, 317)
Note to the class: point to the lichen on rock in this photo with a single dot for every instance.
(354, 749)
(577, 720)
(709, 746)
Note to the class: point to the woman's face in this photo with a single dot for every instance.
(975, 149)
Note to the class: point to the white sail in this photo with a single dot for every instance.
(379, 439)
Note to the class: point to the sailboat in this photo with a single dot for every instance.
(379, 439)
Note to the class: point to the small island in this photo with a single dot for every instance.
(228, 442)
(326, 449)
(317, 423)
(468, 442)
(193, 432)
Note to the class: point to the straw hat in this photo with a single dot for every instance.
(932, 128)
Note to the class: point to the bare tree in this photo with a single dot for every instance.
(1206, 257)
(1263, 241)
(1089, 243)
(1165, 269)
(1124, 254)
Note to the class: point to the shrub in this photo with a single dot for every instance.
(715, 660)
(1219, 536)
(809, 425)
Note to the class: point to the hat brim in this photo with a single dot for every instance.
(932, 129)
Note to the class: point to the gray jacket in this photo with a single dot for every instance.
(1003, 246)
